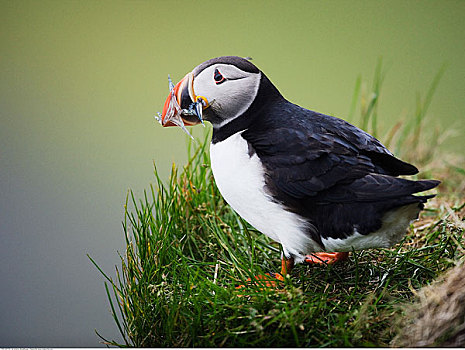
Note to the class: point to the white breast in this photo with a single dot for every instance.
(240, 179)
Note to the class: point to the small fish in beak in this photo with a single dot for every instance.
(195, 108)
(173, 113)
(172, 110)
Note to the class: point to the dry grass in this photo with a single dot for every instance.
(437, 318)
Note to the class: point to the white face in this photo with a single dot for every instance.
(231, 97)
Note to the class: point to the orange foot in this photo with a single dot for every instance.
(270, 280)
(326, 258)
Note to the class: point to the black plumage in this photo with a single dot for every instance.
(337, 176)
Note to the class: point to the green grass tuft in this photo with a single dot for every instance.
(187, 251)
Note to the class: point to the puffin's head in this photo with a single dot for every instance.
(218, 90)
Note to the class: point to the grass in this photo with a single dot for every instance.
(187, 251)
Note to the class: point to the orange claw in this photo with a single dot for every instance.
(270, 280)
(326, 258)
(267, 280)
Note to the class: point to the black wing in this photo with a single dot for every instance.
(330, 171)
(301, 164)
(365, 144)
(306, 153)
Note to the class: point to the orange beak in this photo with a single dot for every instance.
(172, 104)
(183, 107)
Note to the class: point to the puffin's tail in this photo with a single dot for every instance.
(383, 189)
(425, 185)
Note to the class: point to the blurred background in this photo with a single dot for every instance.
(81, 80)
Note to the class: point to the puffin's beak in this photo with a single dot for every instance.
(180, 104)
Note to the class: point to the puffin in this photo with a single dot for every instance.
(316, 184)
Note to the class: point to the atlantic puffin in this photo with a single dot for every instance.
(316, 184)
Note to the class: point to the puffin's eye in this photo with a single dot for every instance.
(218, 77)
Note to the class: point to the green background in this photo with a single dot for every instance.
(81, 80)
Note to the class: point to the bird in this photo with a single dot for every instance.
(316, 184)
